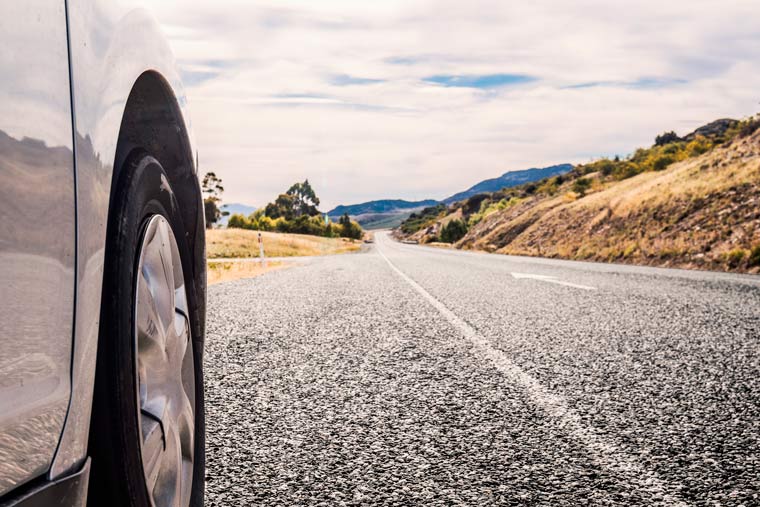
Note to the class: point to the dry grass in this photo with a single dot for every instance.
(237, 243)
(225, 271)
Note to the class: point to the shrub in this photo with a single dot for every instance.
(351, 230)
(662, 162)
(265, 223)
(453, 231)
(581, 185)
(698, 146)
(666, 138)
(606, 167)
(625, 170)
(281, 225)
(749, 127)
(735, 257)
(237, 221)
(754, 257)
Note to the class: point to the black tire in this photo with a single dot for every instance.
(117, 477)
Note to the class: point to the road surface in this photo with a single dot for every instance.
(409, 375)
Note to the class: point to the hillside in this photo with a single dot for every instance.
(510, 179)
(691, 203)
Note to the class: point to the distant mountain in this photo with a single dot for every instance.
(389, 213)
(510, 179)
(232, 208)
(381, 206)
(382, 214)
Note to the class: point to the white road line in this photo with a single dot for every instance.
(604, 451)
(550, 279)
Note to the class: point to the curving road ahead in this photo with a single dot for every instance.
(409, 375)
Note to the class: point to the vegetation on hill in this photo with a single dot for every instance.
(683, 202)
(416, 221)
(296, 212)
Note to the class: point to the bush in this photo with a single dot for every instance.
(281, 225)
(237, 221)
(662, 162)
(581, 185)
(735, 257)
(666, 138)
(453, 231)
(351, 230)
(754, 257)
(606, 167)
(265, 223)
(748, 127)
(698, 146)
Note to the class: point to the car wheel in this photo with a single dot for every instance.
(146, 439)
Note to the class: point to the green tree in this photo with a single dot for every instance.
(212, 189)
(453, 231)
(282, 207)
(305, 200)
(349, 228)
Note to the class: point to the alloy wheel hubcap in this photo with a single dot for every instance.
(165, 372)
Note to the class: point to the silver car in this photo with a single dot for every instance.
(102, 262)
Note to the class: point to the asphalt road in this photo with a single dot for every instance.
(408, 375)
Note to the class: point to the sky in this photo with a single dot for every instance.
(416, 99)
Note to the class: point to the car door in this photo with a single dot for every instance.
(37, 236)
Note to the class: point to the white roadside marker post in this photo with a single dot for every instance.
(262, 259)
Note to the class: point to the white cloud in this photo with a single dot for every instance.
(334, 90)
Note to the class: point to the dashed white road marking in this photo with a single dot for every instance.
(551, 279)
(603, 450)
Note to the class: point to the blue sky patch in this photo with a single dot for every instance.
(484, 81)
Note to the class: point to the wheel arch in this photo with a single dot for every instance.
(153, 121)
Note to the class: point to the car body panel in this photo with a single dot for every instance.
(37, 237)
(69, 491)
(112, 44)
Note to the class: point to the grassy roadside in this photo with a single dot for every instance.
(241, 243)
(236, 243)
(226, 271)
